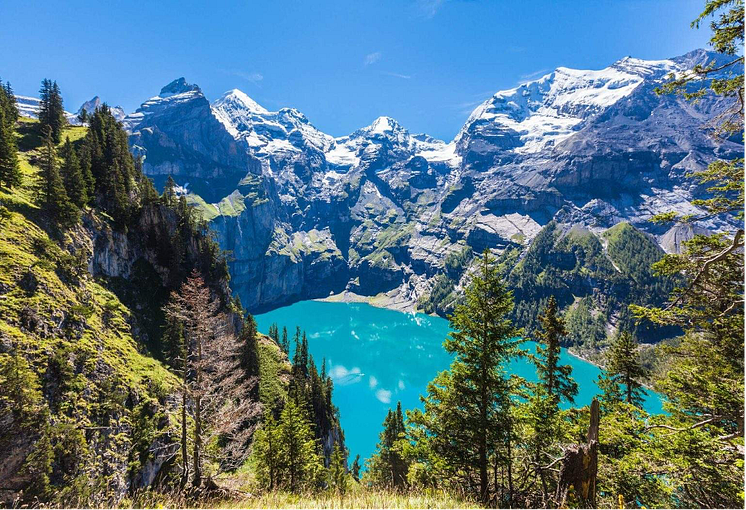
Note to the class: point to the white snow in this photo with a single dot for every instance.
(440, 153)
(342, 155)
(30, 106)
(548, 110)
(382, 125)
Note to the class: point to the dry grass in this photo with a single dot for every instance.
(357, 497)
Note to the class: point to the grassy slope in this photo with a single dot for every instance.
(26, 249)
(74, 334)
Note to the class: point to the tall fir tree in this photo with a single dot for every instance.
(468, 408)
(337, 472)
(8, 103)
(51, 111)
(112, 166)
(286, 451)
(249, 351)
(169, 191)
(53, 196)
(388, 467)
(556, 378)
(284, 343)
(10, 170)
(623, 372)
(72, 175)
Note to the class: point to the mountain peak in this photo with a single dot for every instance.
(178, 86)
(240, 97)
(383, 125)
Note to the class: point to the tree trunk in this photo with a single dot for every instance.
(198, 418)
(184, 450)
(580, 466)
(197, 480)
(510, 469)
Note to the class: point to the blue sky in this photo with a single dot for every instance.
(427, 63)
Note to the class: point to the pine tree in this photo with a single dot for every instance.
(51, 112)
(623, 367)
(301, 465)
(72, 175)
(8, 103)
(84, 158)
(355, 468)
(303, 361)
(393, 432)
(468, 407)
(285, 344)
(169, 191)
(249, 351)
(83, 116)
(10, 171)
(54, 198)
(556, 378)
(112, 167)
(268, 454)
(337, 476)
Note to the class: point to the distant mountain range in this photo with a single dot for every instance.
(378, 212)
(30, 106)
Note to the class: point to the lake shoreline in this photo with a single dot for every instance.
(383, 300)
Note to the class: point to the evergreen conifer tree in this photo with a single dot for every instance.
(468, 408)
(169, 191)
(249, 351)
(10, 171)
(72, 175)
(355, 468)
(301, 464)
(337, 470)
(285, 344)
(388, 467)
(51, 112)
(623, 372)
(8, 103)
(53, 196)
(556, 378)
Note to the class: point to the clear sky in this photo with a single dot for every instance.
(427, 63)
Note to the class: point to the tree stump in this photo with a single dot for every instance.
(580, 466)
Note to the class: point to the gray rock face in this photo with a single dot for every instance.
(306, 214)
(91, 105)
(178, 135)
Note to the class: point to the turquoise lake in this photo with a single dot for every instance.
(377, 357)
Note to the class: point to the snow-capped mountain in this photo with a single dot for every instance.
(265, 132)
(537, 115)
(288, 132)
(30, 106)
(305, 213)
(177, 134)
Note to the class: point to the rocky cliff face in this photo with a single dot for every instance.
(378, 211)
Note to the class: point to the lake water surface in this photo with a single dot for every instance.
(377, 357)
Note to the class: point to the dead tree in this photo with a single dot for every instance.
(215, 390)
(580, 466)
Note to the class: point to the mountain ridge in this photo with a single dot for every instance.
(378, 211)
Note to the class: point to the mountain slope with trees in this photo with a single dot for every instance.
(124, 359)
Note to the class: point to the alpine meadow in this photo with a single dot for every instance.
(208, 303)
